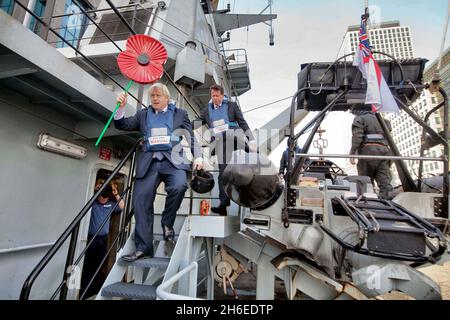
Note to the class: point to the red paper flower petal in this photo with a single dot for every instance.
(129, 65)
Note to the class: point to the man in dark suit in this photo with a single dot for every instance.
(162, 159)
(229, 132)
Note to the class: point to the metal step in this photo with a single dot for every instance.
(160, 237)
(156, 262)
(130, 291)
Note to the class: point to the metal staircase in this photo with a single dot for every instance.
(238, 70)
(137, 289)
(173, 272)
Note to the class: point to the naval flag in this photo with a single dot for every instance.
(378, 93)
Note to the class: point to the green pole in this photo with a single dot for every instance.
(112, 115)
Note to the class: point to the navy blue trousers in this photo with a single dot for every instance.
(92, 260)
(144, 196)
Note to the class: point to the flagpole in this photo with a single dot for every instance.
(366, 12)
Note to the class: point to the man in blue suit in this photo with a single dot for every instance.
(162, 159)
(229, 132)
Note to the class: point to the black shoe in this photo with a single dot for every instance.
(222, 210)
(168, 233)
(135, 256)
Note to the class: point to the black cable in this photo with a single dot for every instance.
(268, 104)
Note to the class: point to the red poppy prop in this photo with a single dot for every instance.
(142, 62)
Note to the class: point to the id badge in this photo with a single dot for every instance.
(220, 126)
(158, 140)
(218, 123)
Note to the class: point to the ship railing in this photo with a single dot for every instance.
(236, 57)
(72, 230)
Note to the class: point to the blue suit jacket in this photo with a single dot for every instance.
(181, 126)
(234, 115)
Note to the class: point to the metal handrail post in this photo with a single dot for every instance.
(162, 294)
(69, 261)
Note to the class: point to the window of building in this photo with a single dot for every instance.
(117, 30)
(433, 99)
(39, 9)
(437, 120)
(72, 26)
(7, 5)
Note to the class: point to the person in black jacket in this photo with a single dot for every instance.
(368, 139)
(284, 160)
(229, 132)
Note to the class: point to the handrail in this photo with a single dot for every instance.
(71, 253)
(114, 242)
(26, 289)
(111, 247)
(422, 147)
(237, 56)
(162, 294)
(363, 156)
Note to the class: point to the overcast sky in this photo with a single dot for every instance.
(307, 31)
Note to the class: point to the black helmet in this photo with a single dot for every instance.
(202, 181)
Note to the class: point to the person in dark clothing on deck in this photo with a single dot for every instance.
(284, 160)
(368, 139)
(100, 211)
